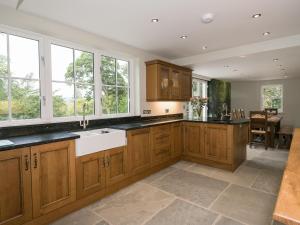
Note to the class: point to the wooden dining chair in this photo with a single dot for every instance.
(273, 111)
(259, 128)
(242, 114)
(233, 115)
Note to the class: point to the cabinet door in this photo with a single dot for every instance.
(194, 140)
(90, 171)
(163, 82)
(53, 176)
(216, 141)
(138, 143)
(116, 169)
(15, 187)
(175, 85)
(177, 146)
(186, 82)
(160, 144)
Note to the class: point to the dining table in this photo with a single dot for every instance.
(274, 126)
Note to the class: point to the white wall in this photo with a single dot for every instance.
(246, 95)
(17, 19)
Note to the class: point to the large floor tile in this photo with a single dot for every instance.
(159, 174)
(227, 221)
(191, 186)
(265, 163)
(103, 222)
(246, 205)
(183, 213)
(269, 181)
(80, 217)
(201, 169)
(183, 164)
(134, 206)
(279, 155)
(244, 175)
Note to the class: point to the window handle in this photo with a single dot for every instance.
(44, 100)
(43, 60)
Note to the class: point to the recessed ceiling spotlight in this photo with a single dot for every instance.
(257, 15)
(266, 33)
(235, 70)
(204, 47)
(242, 56)
(226, 66)
(275, 60)
(208, 18)
(183, 36)
(280, 65)
(155, 20)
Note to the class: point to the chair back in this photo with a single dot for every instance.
(234, 115)
(242, 114)
(258, 120)
(272, 111)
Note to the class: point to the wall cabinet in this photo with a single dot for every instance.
(139, 150)
(177, 140)
(53, 176)
(167, 82)
(161, 144)
(15, 187)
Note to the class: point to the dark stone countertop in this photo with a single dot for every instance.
(144, 124)
(38, 139)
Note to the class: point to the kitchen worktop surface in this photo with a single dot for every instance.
(44, 138)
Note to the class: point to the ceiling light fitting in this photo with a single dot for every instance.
(155, 20)
(257, 15)
(275, 60)
(208, 18)
(266, 33)
(204, 47)
(183, 36)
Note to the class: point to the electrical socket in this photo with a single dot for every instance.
(167, 110)
(147, 111)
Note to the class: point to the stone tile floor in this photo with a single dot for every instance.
(192, 194)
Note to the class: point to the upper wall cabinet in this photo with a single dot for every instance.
(168, 82)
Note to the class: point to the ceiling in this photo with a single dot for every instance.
(130, 22)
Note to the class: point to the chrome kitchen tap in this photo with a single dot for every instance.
(84, 122)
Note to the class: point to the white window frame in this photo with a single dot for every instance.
(280, 110)
(204, 94)
(46, 79)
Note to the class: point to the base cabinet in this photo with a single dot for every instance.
(99, 170)
(139, 150)
(177, 140)
(15, 187)
(161, 144)
(53, 176)
(194, 140)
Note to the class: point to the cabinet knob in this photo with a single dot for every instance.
(26, 162)
(35, 160)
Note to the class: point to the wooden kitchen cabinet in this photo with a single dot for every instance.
(139, 150)
(167, 82)
(90, 171)
(194, 140)
(15, 187)
(117, 165)
(217, 146)
(53, 176)
(177, 140)
(161, 144)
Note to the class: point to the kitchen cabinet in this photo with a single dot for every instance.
(53, 176)
(194, 140)
(99, 170)
(161, 144)
(177, 140)
(167, 82)
(217, 143)
(90, 172)
(15, 187)
(139, 150)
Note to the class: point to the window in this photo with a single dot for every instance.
(199, 88)
(272, 97)
(19, 78)
(72, 81)
(115, 85)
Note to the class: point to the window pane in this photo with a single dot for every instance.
(123, 100)
(84, 67)
(272, 97)
(25, 99)
(3, 55)
(24, 57)
(3, 99)
(122, 72)
(62, 63)
(109, 105)
(85, 94)
(108, 70)
(63, 99)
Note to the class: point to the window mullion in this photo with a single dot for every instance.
(116, 88)
(74, 83)
(97, 84)
(8, 80)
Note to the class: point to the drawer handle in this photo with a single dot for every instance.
(35, 160)
(26, 163)
(104, 162)
(107, 161)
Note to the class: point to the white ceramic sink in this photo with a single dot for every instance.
(98, 140)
